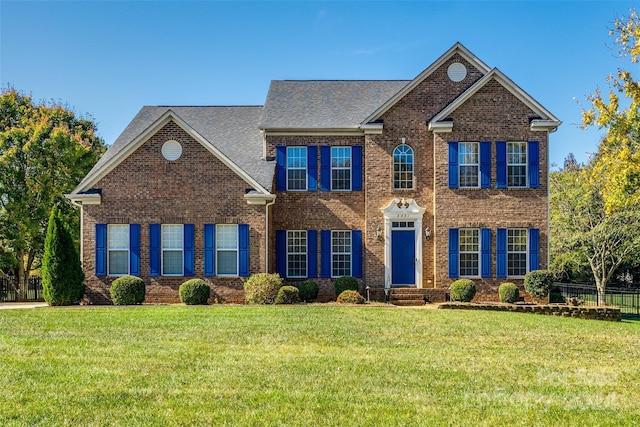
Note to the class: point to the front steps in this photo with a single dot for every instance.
(409, 297)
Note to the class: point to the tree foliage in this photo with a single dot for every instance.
(62, 276)
(617, 164)
(45, 150)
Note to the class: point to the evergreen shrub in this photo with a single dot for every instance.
(308, 290)
(345, 283)
(287, 295)
(463, 290)
(509, 292)
(127, 290)
(262, 288)
(194, 292)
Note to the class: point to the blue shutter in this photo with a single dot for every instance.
(356, 254)
(312, 253)
(501, 164)
(454, 255)
(485, 164)
(101, 250)
(243, 250)
(134, 249)
(281, 168)
(189, 252)
(533, 155)
(356, 168)
(281, 253)
(325, 253)
(534, 249)
(501, 252)
(312, 168)
(453, 165)
(209, 250)
(485, 250)
(325, 168)
(154, 250)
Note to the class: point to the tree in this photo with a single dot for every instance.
(45, 150)
(62, 276)
(618, 158)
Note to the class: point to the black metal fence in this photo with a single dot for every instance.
(628, 299)
(8, 292)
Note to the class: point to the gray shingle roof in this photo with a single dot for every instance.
(324, 104)
(232, 130)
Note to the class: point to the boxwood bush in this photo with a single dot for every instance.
(463, 290)
(287, 295)
(350, 297)
(345, 283)
(262, 288)
(538, 283)
(128, 290)
(194, 292)
(509, 292)
(308, 290)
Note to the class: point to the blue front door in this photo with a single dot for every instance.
(403, 257)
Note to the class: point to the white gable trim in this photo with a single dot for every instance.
(111, 164)
(549, 121)
(456, 48)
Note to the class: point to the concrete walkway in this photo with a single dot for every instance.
(18, 305)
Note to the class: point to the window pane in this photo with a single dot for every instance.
(118, 236)
(341, 168)
(118, 263)
(172, 262)
(172, 236)
(296, 253)
(517, 164)
(228, 262)
(296, 157)
(341, 179)
(517, 252)
(296, 168)
(469, 241)
(468, 157)
(227, 236)
(340, 253)
(403, 167)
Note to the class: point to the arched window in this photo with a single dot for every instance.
(403, 168)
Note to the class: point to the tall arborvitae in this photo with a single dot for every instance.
(62, 276)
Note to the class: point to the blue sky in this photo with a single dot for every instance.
(108, 59)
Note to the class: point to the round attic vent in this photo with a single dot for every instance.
(171, 150)
(457, 72)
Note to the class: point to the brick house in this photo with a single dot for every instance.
(402, 184)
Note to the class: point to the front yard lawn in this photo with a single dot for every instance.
(313, 365)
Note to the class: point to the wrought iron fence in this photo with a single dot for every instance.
(8, 292)
(628, 299)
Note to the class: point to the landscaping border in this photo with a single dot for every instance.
(612, 314)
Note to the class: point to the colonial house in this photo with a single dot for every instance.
(403, 184)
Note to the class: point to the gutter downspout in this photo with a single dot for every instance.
(266, 235)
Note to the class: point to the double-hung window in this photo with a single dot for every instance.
(517, 164)
(118, 249)
(297, 168)
(172, 249)
(469, 252)
(341, 168)
(516, 252)
(403, 168)
(227, 249)
(296, 253)
(469, 164)
(340, 253)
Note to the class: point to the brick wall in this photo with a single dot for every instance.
(195, 189)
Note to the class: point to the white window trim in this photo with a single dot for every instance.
(526, 166)
(350, 253)
(306, 169)
(350, 169)
(413, 169)
(526, 252)
(460, 164)
(162, 251)
(478, 253)
(127, 250)
(237, 251)
(306, 254)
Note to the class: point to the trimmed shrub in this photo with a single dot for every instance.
(509, 292)
(194, 292)
(287, 295)
(345, 283)
(463, 290)
(538, 283)
(308, 290)
(350, 297)
(62, 276)
(262, 288)
(128, 290)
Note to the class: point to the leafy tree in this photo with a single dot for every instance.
(617, 164)
(45, 150)
(62, 276)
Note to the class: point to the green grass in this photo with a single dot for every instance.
(314, 365)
